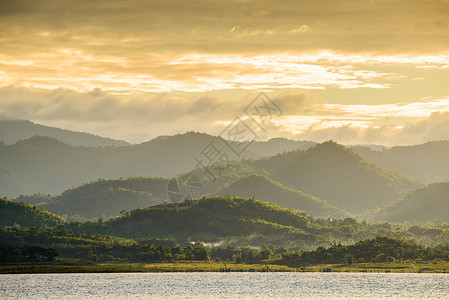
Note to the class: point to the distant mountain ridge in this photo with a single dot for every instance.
(328, 171)
(47, 165)
(12, 131)
(428, 162)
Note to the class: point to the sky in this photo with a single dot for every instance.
(353, 71)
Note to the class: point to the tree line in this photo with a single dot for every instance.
(45, 244)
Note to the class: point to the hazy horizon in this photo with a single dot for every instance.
(3, 118)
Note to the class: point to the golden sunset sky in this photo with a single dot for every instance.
(354, 71)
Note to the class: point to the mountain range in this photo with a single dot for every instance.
(44, 164)
(325, 180)
(337, 175)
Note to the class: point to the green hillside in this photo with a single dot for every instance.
(262, 188)
(216, 221)
(25, 215)
(337, 175)
(105, 198)
(211, 219)
(222, 221)
(427, 204)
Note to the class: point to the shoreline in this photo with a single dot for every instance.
(195, 267)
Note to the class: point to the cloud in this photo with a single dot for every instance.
(237, 31)
(129, 117)
(292, 102)
(76, 69)
(301, 29)
(393, 110)
(66, 104)
(137, 118)
(433, 128)
(136, 26)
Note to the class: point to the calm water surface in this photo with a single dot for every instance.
(225, 286)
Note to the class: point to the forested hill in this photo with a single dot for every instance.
(12, 131)
(209, 219)
(262, 188)
(427, 204)
(25, 215)
(103, 198)
(244, 221)
(338, 175)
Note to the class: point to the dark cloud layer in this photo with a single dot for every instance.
(137, 26)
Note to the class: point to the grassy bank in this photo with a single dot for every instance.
(72, 266)
(87, 267)
(381, 268)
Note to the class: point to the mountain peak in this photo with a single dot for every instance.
(333, 150)
(337, 175)
(330, 145)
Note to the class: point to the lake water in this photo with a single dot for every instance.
(225, 286)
